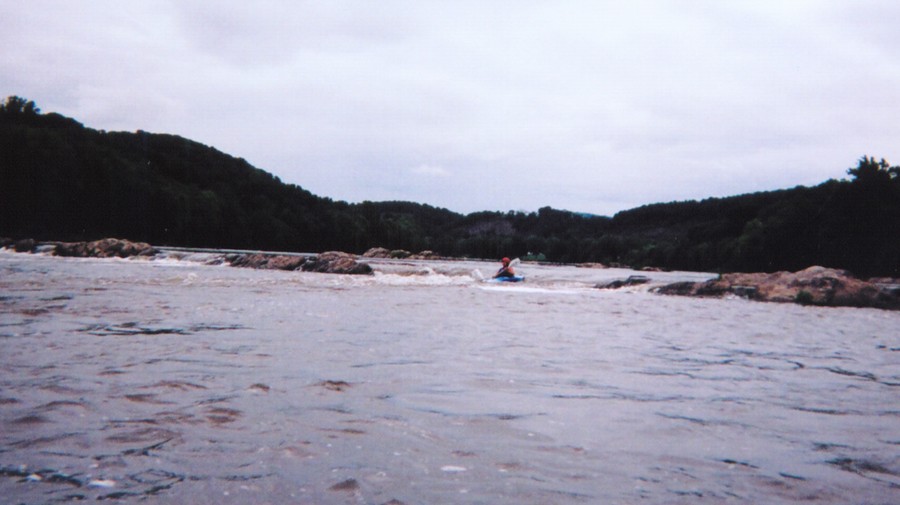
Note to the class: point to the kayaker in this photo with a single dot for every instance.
(505, 270)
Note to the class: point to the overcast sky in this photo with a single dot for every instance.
(591, 106)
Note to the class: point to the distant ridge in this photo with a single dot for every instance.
(60, 180)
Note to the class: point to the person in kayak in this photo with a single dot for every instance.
(506, 270)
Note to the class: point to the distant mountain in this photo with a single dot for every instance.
(61, 180)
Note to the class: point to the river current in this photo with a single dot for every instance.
(172, 381)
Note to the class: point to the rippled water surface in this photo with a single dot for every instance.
(174, 382)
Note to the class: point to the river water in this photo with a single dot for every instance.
(170, 381)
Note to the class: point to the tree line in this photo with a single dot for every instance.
(60, 180)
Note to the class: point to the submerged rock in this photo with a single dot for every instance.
(815, 285)
(632, 280)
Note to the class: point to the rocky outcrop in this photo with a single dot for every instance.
(813, 286)
(336, 262)
(332, 262)
(382, 253)
(104, 248)
(328, 262)
(632, 280)
(266, 261)
(377, 252)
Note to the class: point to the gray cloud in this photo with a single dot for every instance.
(589, 106)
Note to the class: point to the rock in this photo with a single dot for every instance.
(336, 262)
(425, 255)
(815, 285)
(24, 245)
(382, 253)
(266, 261)
(104, 248)
(377, 252)
(6, 242)
(632, 280)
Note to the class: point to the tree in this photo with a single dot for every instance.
(18, 105)
(869, 171)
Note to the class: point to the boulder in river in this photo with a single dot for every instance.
(24, 245)
(815, 285)
(104, 248)
(377, 252)
(632, 280)
(336, 262)
(267, 261)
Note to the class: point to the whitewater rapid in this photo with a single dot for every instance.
(172, 381)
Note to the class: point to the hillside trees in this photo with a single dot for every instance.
(62, 181)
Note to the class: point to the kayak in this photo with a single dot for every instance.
(514, 278)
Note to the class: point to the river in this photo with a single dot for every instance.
(172, 381)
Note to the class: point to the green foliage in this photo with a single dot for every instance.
(804, 298)
(61, 180)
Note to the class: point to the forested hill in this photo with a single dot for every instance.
(60, 180)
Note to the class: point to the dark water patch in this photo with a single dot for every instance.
(152, 481)
(393, 363)
(146, 398)
(118, 423)
(649, 398)
(58, 404)
(861, 466)
(508, 417)
(561, 396)
(30, 420)
(130, 329)
(825, 446)
(52, 440)
(216, 327)
(44, 475)
(218, 416)
(337, 409)
(57, 298)
(179, 385)
(216, 399)
(791, 476)
(246, 478)
(344, 431)
(739, 463)
(34, 312)
(694, 420)
(9, 401)
(260, 387)
(334, 385)
(851, 373)
(346, 485)
(826, 411)
(169, 417)
(142, 435)
(136, 451)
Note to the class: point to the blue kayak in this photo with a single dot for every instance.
(514, 278)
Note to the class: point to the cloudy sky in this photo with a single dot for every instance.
(591, 106)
